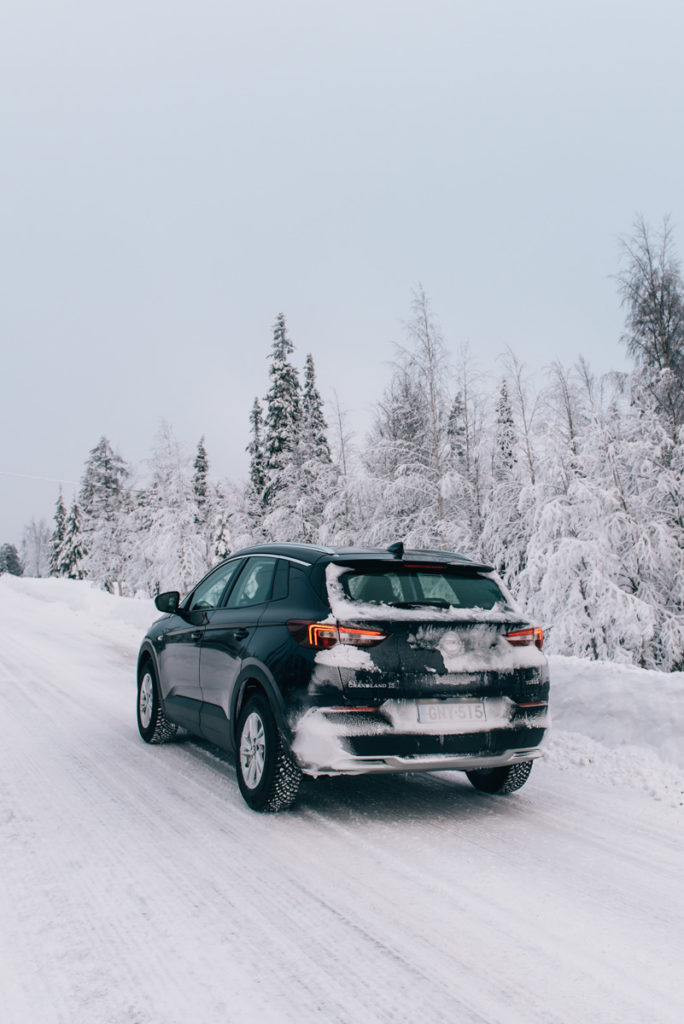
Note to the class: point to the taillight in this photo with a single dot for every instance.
(323, 635)
(527, 637)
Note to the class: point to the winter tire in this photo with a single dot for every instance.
(501, 780)
(267, 774)
(153, 725)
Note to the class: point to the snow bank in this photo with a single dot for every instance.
(83, 597)
(619, 705)
(628, 767)
(50, 625)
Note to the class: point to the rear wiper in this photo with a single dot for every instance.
(433, 602)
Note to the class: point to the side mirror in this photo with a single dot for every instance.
(168, 602)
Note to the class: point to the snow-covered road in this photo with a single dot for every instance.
(138, 889)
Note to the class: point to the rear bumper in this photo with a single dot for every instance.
(364, 764)
(326, 744)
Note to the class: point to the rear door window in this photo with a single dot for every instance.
(255, 583)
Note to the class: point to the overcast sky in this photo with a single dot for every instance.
(175, 174)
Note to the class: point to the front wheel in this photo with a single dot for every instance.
(267, 774)
(501, 780)
(153, 725)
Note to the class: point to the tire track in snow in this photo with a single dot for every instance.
(94, 785)
(215, 795)
(517, 939)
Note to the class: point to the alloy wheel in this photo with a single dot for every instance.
(252, 750)
(146, 700)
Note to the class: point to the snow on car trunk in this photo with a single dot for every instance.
(452, 644)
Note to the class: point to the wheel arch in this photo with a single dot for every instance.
(147, 653)
(255, 679)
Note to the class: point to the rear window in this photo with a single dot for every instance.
(407, 587)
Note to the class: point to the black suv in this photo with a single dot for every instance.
(321, 661)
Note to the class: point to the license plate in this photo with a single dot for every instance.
(435, 711)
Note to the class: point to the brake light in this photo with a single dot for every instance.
(422, 565)
(323, 635)
(527, 637)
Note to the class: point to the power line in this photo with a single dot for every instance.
(30, 476)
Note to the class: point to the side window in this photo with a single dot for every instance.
(254, 585)
(210, 591)
(281, 583)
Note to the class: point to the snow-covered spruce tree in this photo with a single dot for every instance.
(511, 494)
(226, 497)
(200, 484)
(255, 496)
(57, 538)
(103, 501)
(456, 431)
(70, 559)
(10, 561)
(283, 413)
(651, 290)
(504, 455)
(207, 498)
(308, 477)
(314, 476)
(255, 450)
(503, 538)
(314, 428)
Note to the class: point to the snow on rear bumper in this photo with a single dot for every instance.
(331, 744)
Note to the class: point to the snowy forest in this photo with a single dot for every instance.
(572, 488)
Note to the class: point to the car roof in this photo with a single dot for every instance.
(312, 553)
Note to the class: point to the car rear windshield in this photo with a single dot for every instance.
(408, 586)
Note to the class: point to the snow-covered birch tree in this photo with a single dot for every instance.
(171, 550)
(36, 548)
(652, 293)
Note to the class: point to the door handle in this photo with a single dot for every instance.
(196, 634)
(240, 634)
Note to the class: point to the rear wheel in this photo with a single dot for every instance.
(153, 725)
(268, 775)
(501, 780)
